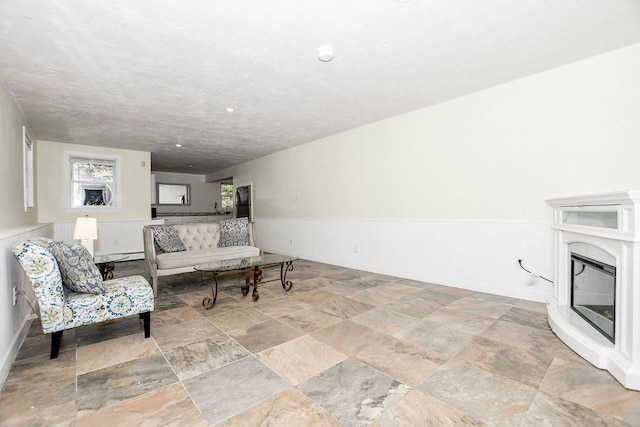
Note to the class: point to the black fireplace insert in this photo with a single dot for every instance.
(593, 293)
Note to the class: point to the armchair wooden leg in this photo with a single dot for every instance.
(146, 319)
(55, 344)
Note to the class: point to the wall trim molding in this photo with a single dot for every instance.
(15, 320)
(479, 255)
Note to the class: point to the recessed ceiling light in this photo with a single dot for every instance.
(189, 166)
(325, 53)
(230, 110)
(178, 145)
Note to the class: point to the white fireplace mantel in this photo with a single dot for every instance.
(607, 225)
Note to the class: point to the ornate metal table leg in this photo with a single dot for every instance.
(106, 270)
(286, 284)
(247, 283)
(257, 276)
(208, 303)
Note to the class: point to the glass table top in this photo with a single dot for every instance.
(103, 259)
(266, 260)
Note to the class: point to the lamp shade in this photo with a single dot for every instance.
(86, 228)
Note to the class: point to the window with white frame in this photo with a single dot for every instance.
(226, 196)
(93, 181)
(29, 182)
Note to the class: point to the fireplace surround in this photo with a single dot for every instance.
(602, 233)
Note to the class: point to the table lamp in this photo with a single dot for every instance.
(86, 231)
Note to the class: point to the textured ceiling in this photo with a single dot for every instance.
(146, 75)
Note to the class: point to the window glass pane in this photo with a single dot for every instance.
(226, 193)
(92, 172)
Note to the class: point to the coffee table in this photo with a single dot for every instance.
(252, 268)
(106, 264)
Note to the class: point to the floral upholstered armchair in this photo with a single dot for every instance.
(70, 294)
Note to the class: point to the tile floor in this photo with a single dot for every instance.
(343, 347)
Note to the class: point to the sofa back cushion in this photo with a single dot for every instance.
(79, 272)
(234, 232)
(167, 238)
(197, 236)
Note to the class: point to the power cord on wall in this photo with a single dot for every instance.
(34, 315)
(533, 274)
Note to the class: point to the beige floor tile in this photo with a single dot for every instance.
(281, 306)
(480, 307)
(315, 296)
(386, 321)
(344, 307)
(489, 398)
(524, 337)
(167, 406)
(419, 409)
(555, 411)
(173, 316)
(291, 408)
(310, 320)
(576, 380)
(347, 337)
(460, 320)
(101, 355)
(527, 367)
(262, 336)
(178, 334)
(235, 317)
(300, 358)
(435, 337)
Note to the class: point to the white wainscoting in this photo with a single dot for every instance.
(116, 237)
(15, 320)
(477, 255)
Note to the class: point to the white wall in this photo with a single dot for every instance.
(15, 225)
(204, 195)
(12, 213)
(491, 157)
(134, 191)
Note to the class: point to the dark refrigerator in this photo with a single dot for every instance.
(242, 202)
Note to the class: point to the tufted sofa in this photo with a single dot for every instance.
(201, 242)
(61, 308)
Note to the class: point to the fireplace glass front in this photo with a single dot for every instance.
(593, 297)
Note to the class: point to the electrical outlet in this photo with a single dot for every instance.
(518, 261)
(15, 295)
(291, 241)
(356, 249)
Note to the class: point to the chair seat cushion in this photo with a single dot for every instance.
(122, 297)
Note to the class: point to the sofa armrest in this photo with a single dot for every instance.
(252, 236)
(149, 247)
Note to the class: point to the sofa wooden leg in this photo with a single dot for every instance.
(146, 319)
(56, 337)
(154, 285)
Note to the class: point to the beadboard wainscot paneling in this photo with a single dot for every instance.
(115, 237)
(15, 320)
(476, 255)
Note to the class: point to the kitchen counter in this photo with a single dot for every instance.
(192, 217)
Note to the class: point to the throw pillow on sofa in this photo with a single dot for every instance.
(234, 232)
(77, 269)
(167, 238)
